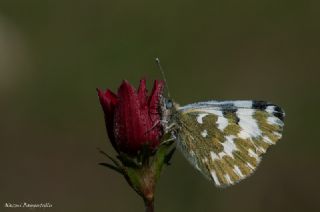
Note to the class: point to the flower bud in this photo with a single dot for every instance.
(132, 117)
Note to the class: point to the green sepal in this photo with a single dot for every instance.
(117, 165)
(128, 161)
(110, 166)
(162, 153)
(169, 156)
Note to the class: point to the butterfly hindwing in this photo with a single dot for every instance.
(225, 140)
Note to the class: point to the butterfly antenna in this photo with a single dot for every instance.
(163, 76)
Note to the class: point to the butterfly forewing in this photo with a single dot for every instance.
(225, 140)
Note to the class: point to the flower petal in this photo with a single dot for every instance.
(108, 101)
(154, 116)
(111, 96)
(129, 128)
(154, 98)
(142, 93)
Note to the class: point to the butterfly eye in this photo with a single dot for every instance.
(169, 104)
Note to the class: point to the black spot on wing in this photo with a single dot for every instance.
(278, 109)
(278, 112)
(261, 105)
(233, 111)
(229, 110)
(237, 119)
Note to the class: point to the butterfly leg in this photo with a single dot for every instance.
(170, 128)
(170, 139)
(153, 127)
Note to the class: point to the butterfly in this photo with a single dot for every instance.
(224, 140)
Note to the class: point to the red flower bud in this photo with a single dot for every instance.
(132, 118)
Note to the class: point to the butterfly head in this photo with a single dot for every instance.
(168, 109)
(168, 104)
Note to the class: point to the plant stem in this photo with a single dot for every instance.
(149, 204)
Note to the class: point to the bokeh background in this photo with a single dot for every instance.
(53, 54)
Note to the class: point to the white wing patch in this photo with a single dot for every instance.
(249, 126)
(238, 171)
(229, 146)
(222, 121)
(270, 109)
(274, 121)
(215, 178)
(200, 117)
(204, 133)
(242, 104)
(253, 154)
(227, 177)
(219, 104)
(214, 156)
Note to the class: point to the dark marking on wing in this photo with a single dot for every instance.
(261, 105)
(278, 112)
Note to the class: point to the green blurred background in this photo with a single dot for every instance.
(53, 54)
